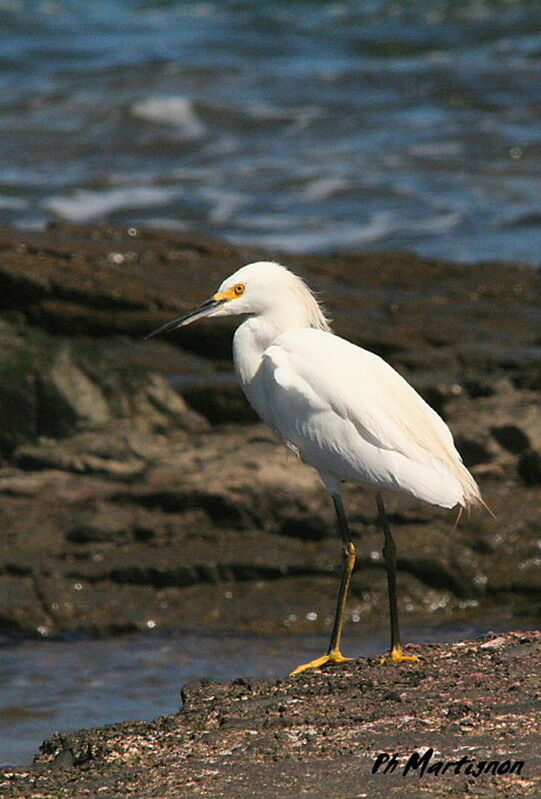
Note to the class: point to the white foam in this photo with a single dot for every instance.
(381, 225)
(299, 117)
(347, 234)
(440, 223)
(322, 188)
(268, 112)
(176, 110)
(225, 204)
(84, 205)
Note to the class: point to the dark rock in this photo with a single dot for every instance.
(127, 515)
(528, 378)
(219, 402)
(301, 523)
(109, 524)
(511, 438)
(69, 399)
(275, 739)
(157, 406)
(18, 410)
(162, 492)
(489, 428)
(472, 452)
(479, 387)
(50, 455)
(529, 467)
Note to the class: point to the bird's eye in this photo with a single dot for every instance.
(239, 289)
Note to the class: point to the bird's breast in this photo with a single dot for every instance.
(249, 344)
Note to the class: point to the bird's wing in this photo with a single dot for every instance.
(311, 372)
(323, 370)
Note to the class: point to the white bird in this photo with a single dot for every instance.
(343, 409)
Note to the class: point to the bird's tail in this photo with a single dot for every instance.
(471, 494)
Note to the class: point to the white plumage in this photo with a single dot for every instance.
(346, 411)
(343, 409)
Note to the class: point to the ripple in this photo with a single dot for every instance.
(177, 111)
(396, 125)
(84, 205)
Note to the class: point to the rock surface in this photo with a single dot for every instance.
(137, 486)
(138, 491)
(319, 734)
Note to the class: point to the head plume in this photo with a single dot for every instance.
(271, 275)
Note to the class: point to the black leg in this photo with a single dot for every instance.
(389, 553)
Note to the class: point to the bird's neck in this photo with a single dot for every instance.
(252, 338)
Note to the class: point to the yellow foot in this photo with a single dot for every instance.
(397, 654)
(330, 657)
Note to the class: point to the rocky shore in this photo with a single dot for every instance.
(460, 722)
(138, 490)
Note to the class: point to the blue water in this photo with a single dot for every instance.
(66, 685)
(299, 126)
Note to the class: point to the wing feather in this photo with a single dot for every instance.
(310, 373)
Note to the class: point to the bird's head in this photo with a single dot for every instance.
(260, 288)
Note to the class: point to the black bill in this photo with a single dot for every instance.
(196, 313)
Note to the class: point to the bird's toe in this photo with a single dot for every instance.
(398, 655)
(330, 657)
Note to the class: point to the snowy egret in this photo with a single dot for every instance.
(343, 409)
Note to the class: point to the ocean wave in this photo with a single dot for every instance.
(324, 236)
(323, 188)
(373, 124)
(175, 110)
(380, 226)
(84, 205)
(224, 204)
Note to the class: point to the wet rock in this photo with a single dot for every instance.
(220, 401)
(528, 378)
(18, 409)
(479, 387)
(50, 455)
(529, 467)
(63, 281)
(275, 739)
(69, 399)
(164, 491)
(17, 485)
(63, 398)
(117, 451)
(473, 452)
(157, 406)
(511, 438)
(22, 609)
(64, 274)
(105, 523)
(495, 428)
(231, 511)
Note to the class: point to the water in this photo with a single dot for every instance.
(299, 126)
(66, 685)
